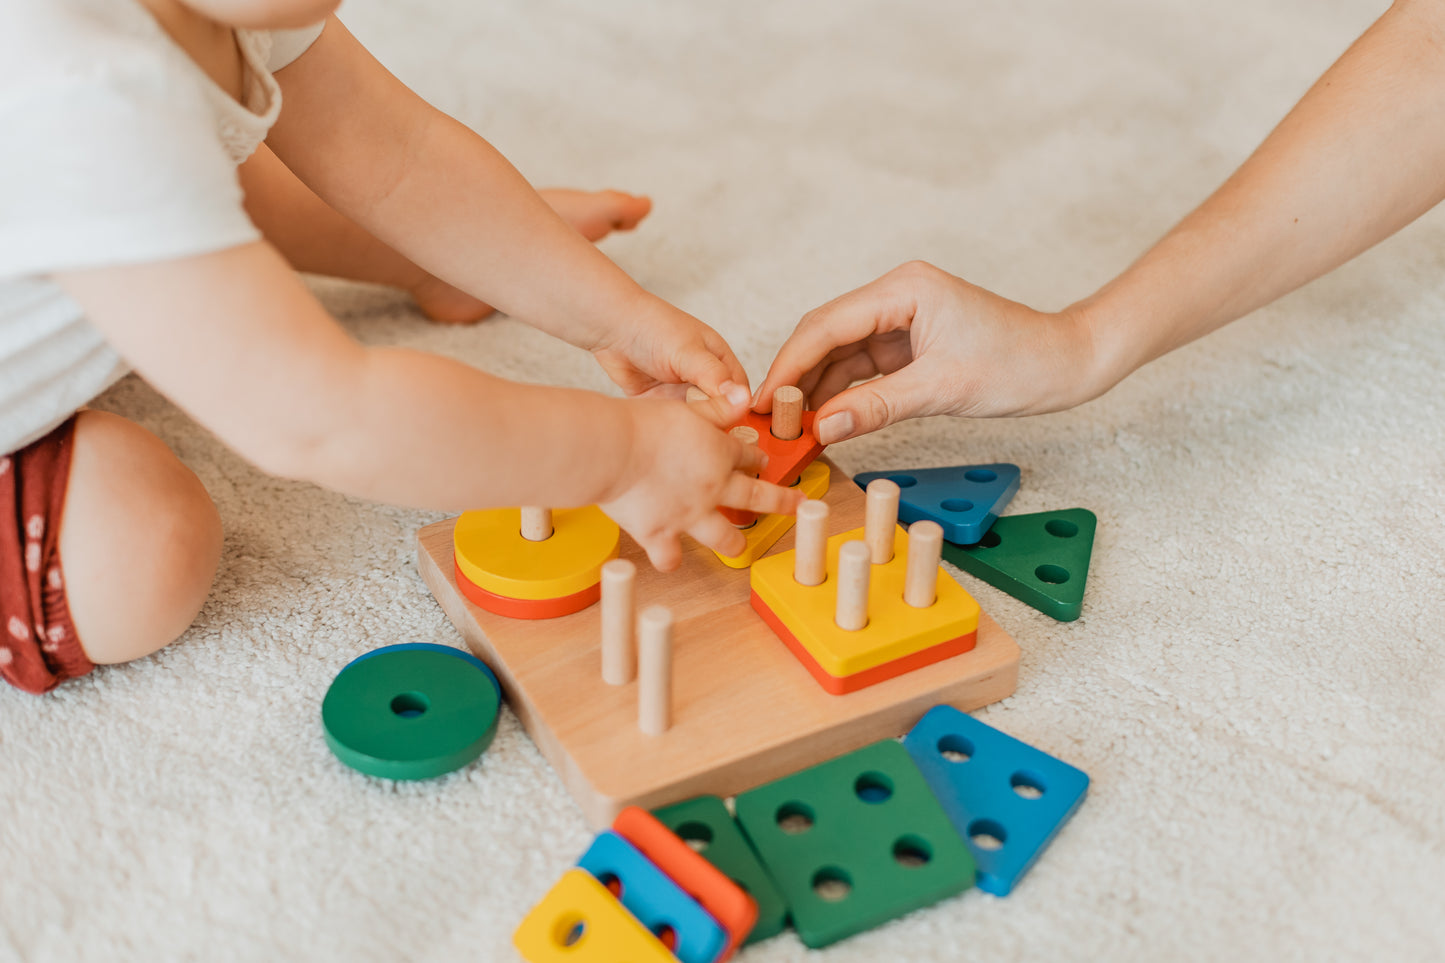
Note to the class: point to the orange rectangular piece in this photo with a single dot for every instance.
(786, 459)
(745, 711)
(724, 900)
(840, 685)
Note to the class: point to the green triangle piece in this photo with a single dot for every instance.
(1040, 559)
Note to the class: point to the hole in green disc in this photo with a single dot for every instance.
(409, 705)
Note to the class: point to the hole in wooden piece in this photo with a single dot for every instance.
(667, 936)
(956, 505)
(986, 834)
(697, 835)
(409, 705)
(911, 852)
(832, 884)
(794, 818)
(1027, 785)
(1053, 574)
(980, 475)
(873, 787)
(955, 748)
(903, 481)
(1059, 528)
(569, 930)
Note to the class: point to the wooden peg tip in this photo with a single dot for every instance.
(788, 412)
(536, 524)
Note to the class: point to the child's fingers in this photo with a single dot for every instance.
(719, 346)
(719, 534)
(722, 411)
(701, 366)
(750, 494)
(664, 550)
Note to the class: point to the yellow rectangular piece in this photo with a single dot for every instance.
(579, 921)
(895, 629)
(745, 711)
(765, 533)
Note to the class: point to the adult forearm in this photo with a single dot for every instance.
(1360, 156)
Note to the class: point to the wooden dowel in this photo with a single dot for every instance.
(810, 562)
(925, 548)
(787, 412)
(536, 524)
(619, 603)
(654, 670)
(881, 520)
(745, 434)
(854, 571)
(743, 519)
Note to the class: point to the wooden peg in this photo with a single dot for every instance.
(654, 670)
(925, 548)
(854, 571)
(810, 562)
(694, 393)
(748, 436)
(536, 524)
(619, 603)
(881, 521)
(788, 412)
(745, 434)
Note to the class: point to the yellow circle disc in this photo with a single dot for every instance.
(491, 552)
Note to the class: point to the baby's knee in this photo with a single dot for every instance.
(140, 541)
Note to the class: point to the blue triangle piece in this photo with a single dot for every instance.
(1006, 799)
(965, 499)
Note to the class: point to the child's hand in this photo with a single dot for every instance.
(682, 466)
(661, 350)
(943, 346)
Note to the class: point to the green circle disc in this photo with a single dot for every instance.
(411, 712)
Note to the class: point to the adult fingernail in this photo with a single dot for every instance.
(734, 392)
(835, 427)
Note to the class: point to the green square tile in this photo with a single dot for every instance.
(707, 825)
(855, 842)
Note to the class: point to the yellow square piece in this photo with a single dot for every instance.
(579, 921)
(765, 534)
(895, 629)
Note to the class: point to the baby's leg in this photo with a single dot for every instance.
(314, 237)
(139, 540)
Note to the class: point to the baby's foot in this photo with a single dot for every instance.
(595, 214)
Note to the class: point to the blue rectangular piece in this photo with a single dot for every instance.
(996, 790)
(966, 499)
(650, 895)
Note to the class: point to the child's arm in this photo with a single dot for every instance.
(441, 195)
(236, 339)
(1360, 156)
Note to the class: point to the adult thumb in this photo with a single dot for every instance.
(875, 404)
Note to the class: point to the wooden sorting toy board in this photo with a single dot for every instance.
(745, 711)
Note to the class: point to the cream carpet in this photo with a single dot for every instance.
(1257, 686)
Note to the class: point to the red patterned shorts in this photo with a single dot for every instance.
(38, 645)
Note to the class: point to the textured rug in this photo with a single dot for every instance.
(1256, 687)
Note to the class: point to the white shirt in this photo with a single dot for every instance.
(115, 148)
